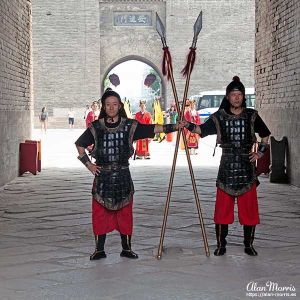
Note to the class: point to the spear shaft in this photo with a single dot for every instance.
(167, 205)
(197, 200)
(171, 77)
(163, 229)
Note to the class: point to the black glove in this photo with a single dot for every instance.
(190, 127)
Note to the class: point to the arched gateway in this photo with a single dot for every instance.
(128, 32)
(143, 60)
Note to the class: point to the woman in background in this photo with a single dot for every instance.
(43, 116)
(94, 114)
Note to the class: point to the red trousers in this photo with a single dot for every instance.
(247, 207)
(105, 220)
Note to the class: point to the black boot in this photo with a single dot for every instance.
(126, 247)
(221, 233)
(99, 251)
(248, 240)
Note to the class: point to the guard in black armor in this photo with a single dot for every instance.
(112, 136)
(235, 126)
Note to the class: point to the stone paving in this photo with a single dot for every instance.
(46, 235)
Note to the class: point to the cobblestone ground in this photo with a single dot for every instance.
(46, 235)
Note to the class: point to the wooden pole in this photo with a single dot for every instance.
(166, 212)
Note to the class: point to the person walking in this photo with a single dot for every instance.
(71, 117)
(43, 117)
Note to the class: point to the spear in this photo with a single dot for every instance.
(167, 70)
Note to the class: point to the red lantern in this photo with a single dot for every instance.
(114, 79)
(149, 80)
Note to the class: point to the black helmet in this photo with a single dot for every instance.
(234, 85)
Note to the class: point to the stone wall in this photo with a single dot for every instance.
(277, 80)
(15, 83)
(66, 56)
(225, 45)
(76, 43)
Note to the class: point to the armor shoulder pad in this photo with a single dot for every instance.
(218, 114)
(251, 110)
(96, 124)
(215, 114)
(217, 118)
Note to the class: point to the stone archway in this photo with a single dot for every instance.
(143, 60)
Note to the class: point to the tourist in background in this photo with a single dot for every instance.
(142, 145)
(171, 116)
(191, 115)
(71, 117)
(87, 110)
(43, 117)
(93, 114)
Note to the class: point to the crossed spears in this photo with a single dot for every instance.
(167, 70)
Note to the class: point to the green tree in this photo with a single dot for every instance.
(156, 85)
(106, 83)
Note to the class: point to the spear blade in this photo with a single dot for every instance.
(197, 29)
(198, 25)
(160, 28)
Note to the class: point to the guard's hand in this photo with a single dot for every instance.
(253, 156)
(180, 125)
(94, 169)
(189, 126)
(185, 123)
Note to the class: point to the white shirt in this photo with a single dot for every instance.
(71, 114)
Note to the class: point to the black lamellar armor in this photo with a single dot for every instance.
(113, 187)
(236, 136)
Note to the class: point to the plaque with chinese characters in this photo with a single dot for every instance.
(133, 18)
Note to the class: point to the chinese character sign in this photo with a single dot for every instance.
(133, 18)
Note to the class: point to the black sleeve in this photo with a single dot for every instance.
(144, 131)
(86, 139)
(208, 128)
(260, 127)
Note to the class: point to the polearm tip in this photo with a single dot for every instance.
(160, 28)
(186, 71)
(197, 29)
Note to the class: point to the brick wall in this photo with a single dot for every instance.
(76, 44)
(277, 80)
(66, 55)
(15, 83)
(225, 45)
